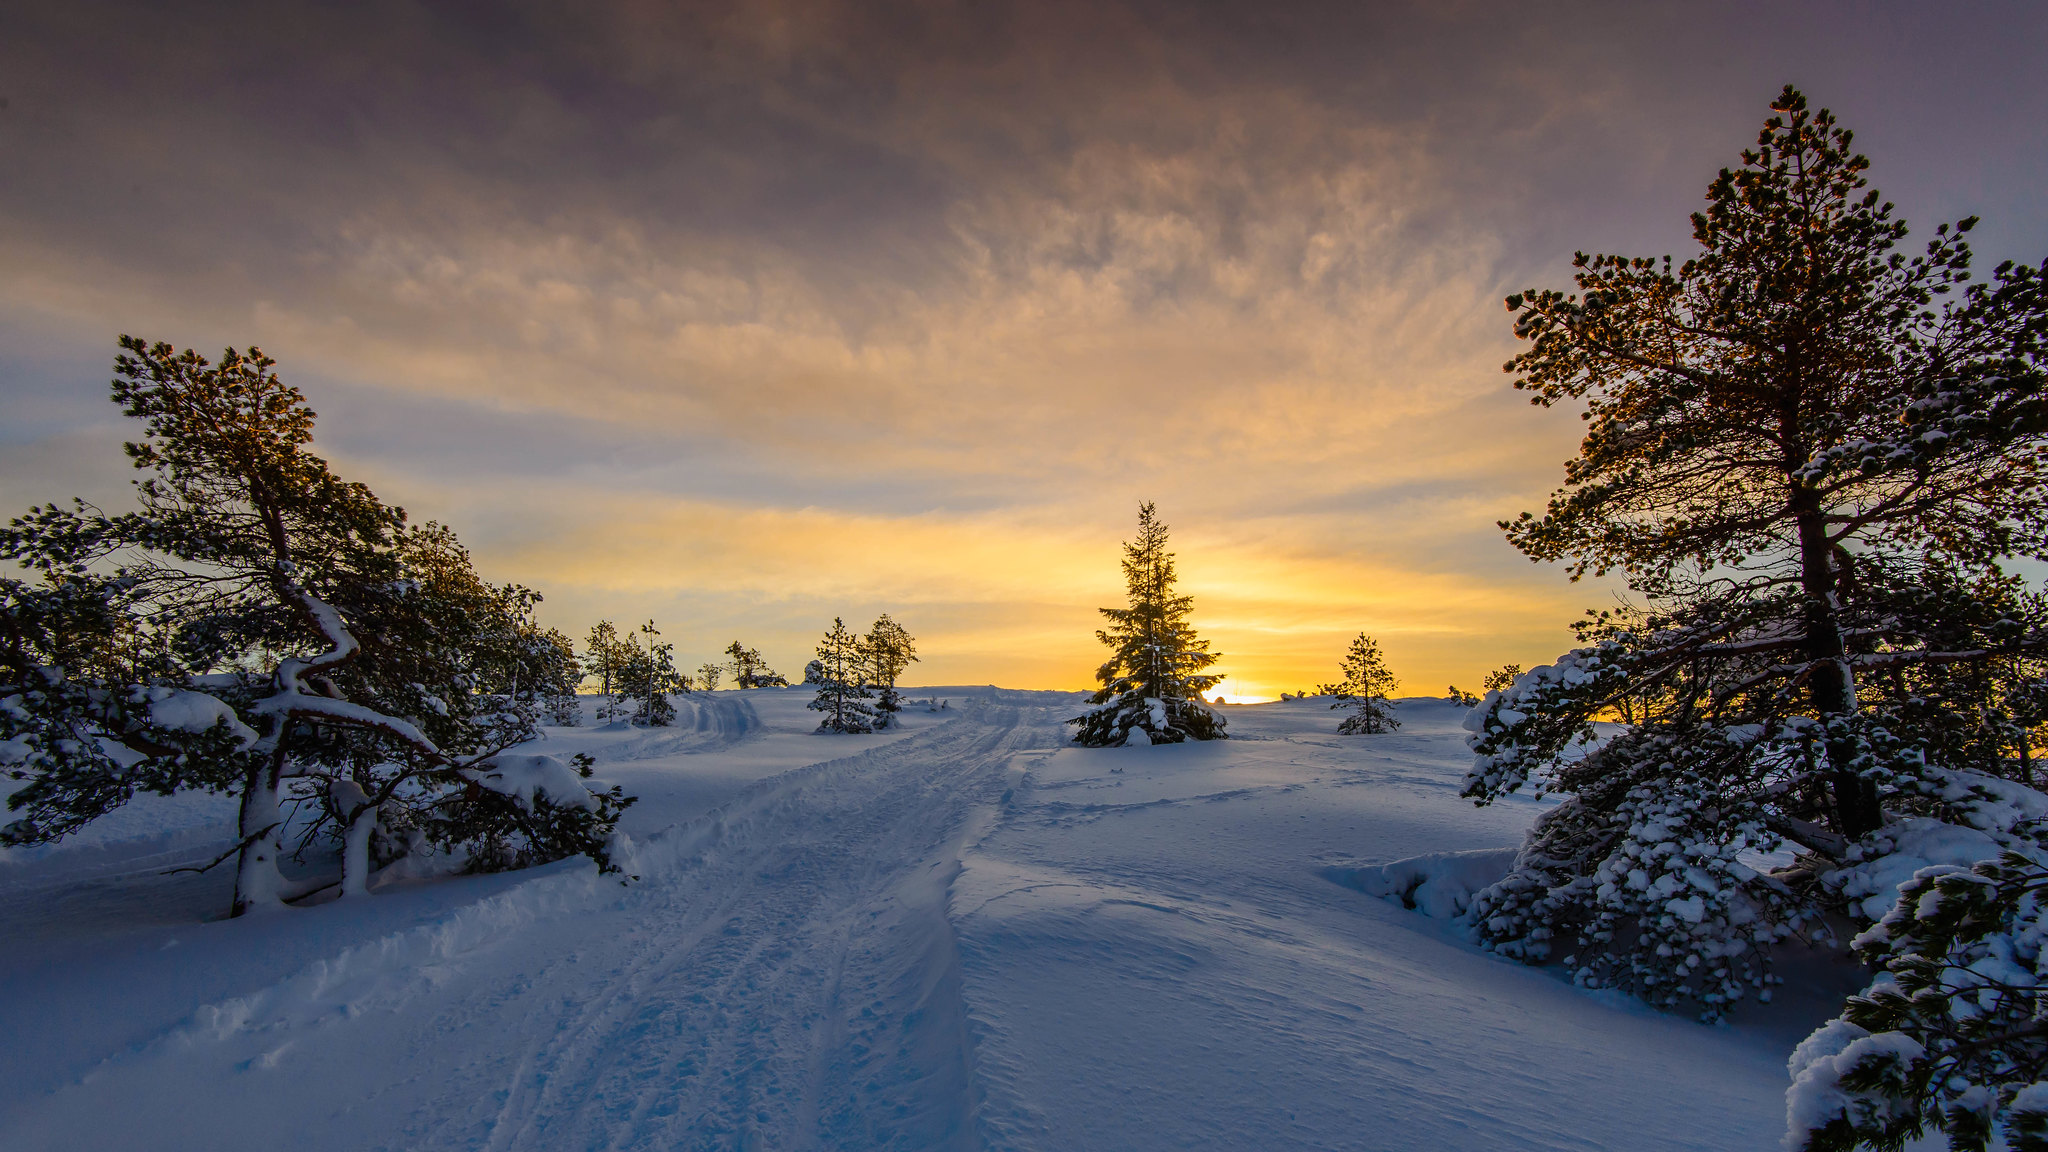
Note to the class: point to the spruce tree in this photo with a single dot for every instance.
(843, 666)
(890, 649)
(1364, 690)
(262, 627)
(1152, 684)
(1808, 454)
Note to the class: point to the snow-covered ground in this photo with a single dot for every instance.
(963, 934)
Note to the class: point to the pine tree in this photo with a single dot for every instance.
(1501, 679)
(607, 655)
(648, 677)
(890, 649)
(1153, 682)
(708, 674)
(214, 636)
(749, 670)
(1951, 1037)
(1364, 690)
(843, 666)
(1808, 454)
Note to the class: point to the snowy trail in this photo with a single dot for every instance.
(783, 976)
(798, 986)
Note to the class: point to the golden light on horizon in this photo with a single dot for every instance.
(743, 354)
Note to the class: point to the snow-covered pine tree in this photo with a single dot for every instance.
(890, 650)
(1808, 454)
(1951, 1036)
(1364, 690)
(212, 638)
(708, 675)
(1153, 682)
(842, 669)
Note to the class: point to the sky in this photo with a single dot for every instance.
(745, 316)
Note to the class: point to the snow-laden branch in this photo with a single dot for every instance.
(295, 673)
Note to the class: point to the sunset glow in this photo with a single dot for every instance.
(744, 317)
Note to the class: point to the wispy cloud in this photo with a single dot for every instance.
(746, 315)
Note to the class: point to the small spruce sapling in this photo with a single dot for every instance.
(648, 677)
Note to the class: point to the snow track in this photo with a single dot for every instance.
(703, 723)
(782, 976)
(793, 984)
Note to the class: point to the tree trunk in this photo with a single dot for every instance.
(1831, 684)
(259, 886)
(355, 854)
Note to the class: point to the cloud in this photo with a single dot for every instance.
(753, 313)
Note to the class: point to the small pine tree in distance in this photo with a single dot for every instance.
(1152, 684)
(890, 650)
(606, 657)
(749, 670)
(842, 669)
(1364, 690)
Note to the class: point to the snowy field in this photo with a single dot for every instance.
(958, 935)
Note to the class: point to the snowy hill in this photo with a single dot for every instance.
(963, 934)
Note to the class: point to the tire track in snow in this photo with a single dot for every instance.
(794, 984)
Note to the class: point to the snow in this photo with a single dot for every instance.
(1817, 1065)
(296, 703)
(1918, 842)
(195, 712)
(962, 933)
(1437, 884)
(527, 775)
